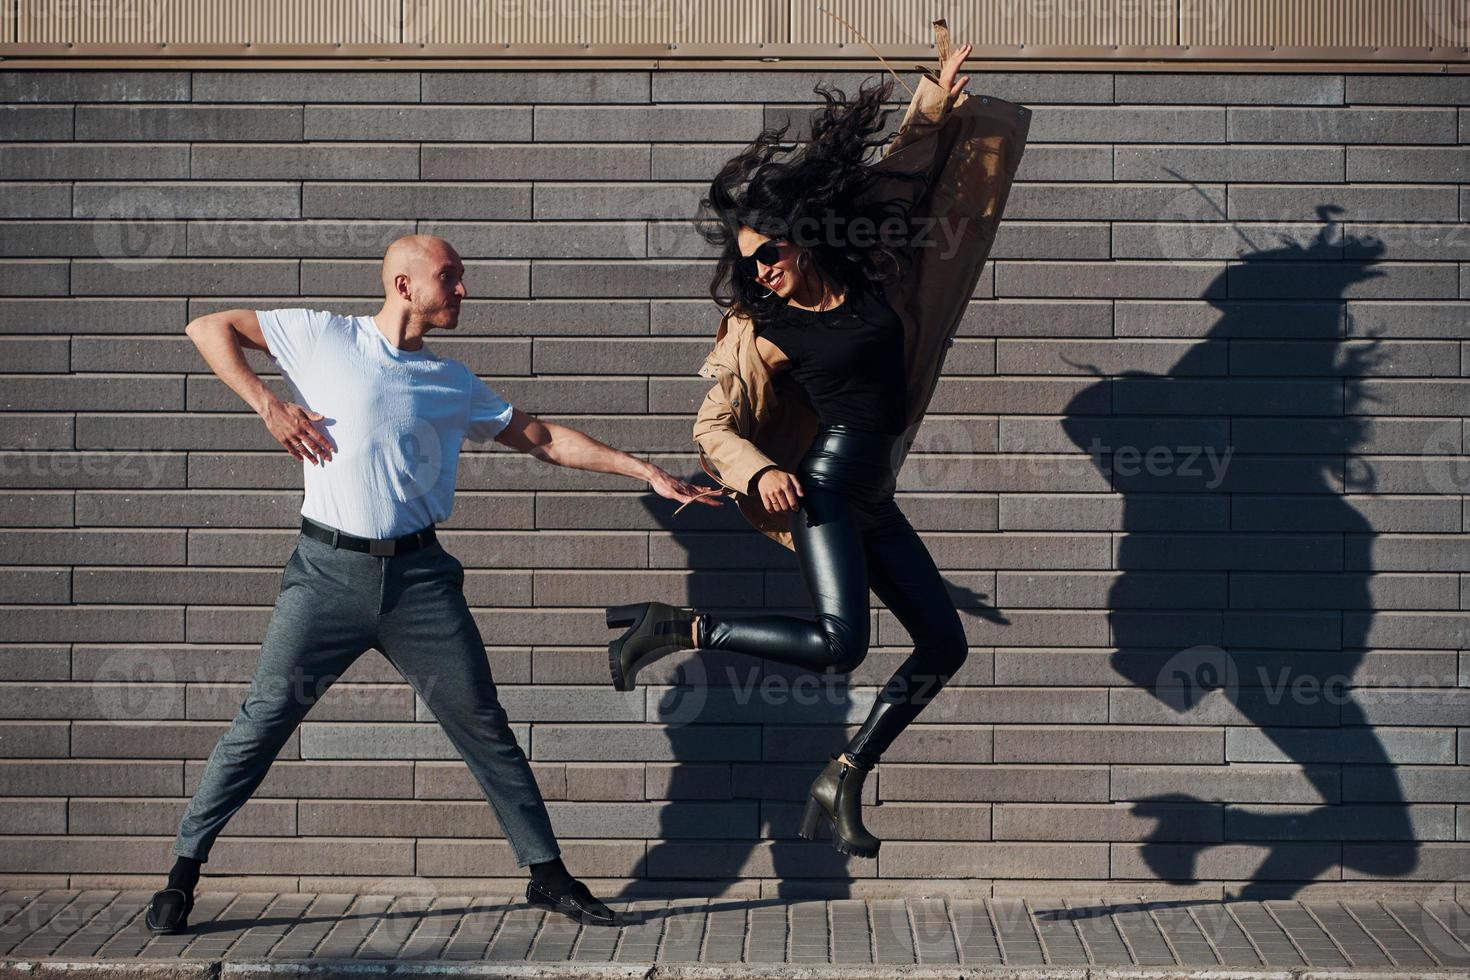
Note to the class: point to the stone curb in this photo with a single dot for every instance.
(333, 969)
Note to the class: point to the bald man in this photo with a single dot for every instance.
(377, 423)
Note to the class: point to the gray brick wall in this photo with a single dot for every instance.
(1195, 476)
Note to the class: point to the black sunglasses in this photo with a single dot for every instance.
(767, 253)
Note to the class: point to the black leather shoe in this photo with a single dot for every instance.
(654, 629)
(168, 912)
(576, 901)
(836, 800)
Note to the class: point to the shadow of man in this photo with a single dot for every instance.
(1242, 593)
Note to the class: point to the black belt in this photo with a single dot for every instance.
(378, 547)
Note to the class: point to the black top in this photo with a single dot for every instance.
(848, 360)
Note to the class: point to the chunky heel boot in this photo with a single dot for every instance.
(836, 800)
(653, 629)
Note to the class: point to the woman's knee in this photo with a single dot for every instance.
(848, 648)
(951, 656)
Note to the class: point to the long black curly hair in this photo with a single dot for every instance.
(812, 195)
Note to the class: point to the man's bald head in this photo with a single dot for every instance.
(412, 256)
(423, 276)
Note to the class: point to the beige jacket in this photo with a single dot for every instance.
(970, 147)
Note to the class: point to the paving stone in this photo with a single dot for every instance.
(1052, 932)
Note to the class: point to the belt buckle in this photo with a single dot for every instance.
(382, 548)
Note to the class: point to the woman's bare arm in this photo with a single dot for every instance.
(772, 356)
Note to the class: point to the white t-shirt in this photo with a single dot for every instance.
(396, 419)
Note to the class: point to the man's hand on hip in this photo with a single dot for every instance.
(290, 425)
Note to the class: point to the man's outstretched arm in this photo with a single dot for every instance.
(561, 445)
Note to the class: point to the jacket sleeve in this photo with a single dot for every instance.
(914, 157)
(965, 153)
(715, 431)
(914, 147)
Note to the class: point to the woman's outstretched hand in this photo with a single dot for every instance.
(951, 69)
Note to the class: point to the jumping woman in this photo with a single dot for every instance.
(843, 282)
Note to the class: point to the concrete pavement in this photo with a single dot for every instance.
(81, 934)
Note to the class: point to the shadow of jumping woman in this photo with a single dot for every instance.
(1242, 596)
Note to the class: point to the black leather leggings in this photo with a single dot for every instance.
(850, 536)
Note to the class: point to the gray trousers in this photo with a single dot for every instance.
(335, 604)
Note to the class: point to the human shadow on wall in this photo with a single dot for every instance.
(792, 720)
(1237, 601)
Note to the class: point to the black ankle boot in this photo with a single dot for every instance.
(836, 800)
(885, 722)
(654, 629)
